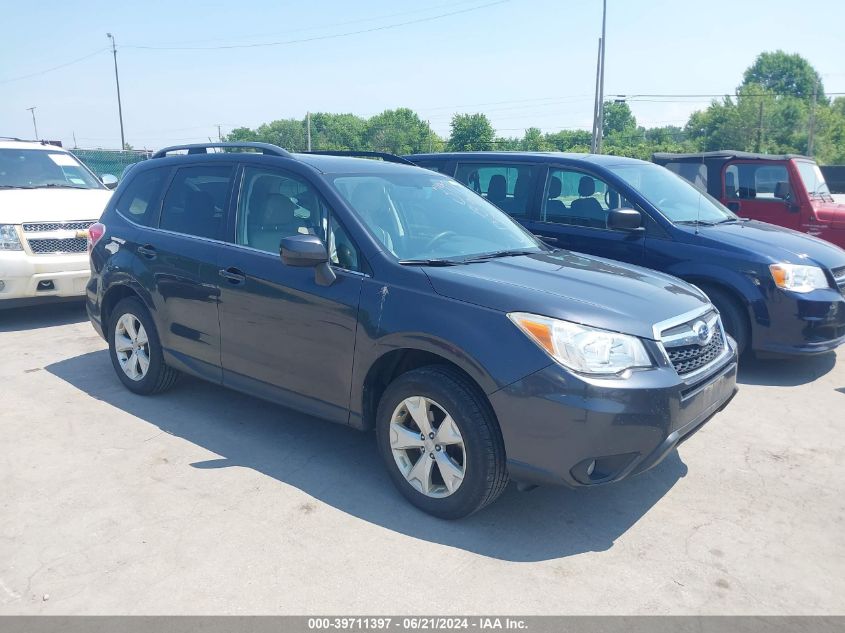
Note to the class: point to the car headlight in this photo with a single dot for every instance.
(583, 349)
(798, 278)
(9, 238)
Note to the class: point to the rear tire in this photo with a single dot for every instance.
(135, 349)
(462, 465)
(733, 315)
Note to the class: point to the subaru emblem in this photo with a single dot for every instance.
(702, 332)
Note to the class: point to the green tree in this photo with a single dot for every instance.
(399, 131)
(286, 133)
(784, 75)
(535, 141)
(337, 131)
(618, 119)
(471, 132)
(570, 140)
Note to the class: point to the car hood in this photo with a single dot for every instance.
(51, 205)
(830, 212)
(583, 289)
(774, 242)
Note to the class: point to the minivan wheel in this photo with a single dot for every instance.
(441, 442)
(733, 317)
(135, 350)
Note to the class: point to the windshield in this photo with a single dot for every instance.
(813, 179)
(673, 196)
(37, 168)
(423, 216)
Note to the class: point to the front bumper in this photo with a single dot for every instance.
(565, 429)
(809, 323)
(27, 277)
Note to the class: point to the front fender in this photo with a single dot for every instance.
(482, 342)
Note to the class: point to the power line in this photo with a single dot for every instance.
(317, 37)
(49, 70)
(331, 25)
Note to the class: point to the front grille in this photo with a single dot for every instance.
(839, 276)
(43, 227)
(687, 358)
(53, 246)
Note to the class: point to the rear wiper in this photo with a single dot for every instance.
(497, 254)
(428, 262)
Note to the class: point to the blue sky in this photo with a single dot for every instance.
(523, 62)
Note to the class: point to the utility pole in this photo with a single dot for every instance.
(601, 83)
(594, 141)
(308, 128)
(74, 140)
(812, 133)
(117, 83)
(34, 125)
(430, 140)
(760, 129)
(219, 134)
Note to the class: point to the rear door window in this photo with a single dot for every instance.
(508, 186)
(196, 201)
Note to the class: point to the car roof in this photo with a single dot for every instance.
(14, 143)
(726, 155)
(544, 157)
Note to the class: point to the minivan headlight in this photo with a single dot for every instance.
(798, 277)
(581, 348)
(9, 238)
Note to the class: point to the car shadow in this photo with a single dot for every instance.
(785, 372)
(62, 312)
(342, 468)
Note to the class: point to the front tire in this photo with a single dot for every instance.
(733, 316)
(135, 349)
(440, 442)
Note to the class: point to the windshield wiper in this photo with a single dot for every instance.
(497, 254)
(16, 187)
(429, 262)
(695, 222)
(53, 185)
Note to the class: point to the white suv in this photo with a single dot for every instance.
(48, 199)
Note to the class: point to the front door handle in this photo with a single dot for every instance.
(233, 275)
(547, 238)
(147, 251)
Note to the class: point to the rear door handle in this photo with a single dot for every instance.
(234, 276)
(147, 251)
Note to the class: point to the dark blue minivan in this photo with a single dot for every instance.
(779, 291)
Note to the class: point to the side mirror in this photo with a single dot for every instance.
(624, 220)
(308, 251)
(783, 191)
(109, 180)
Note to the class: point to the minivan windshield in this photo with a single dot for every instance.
(421, 217)
(43, 168)
(677, 199)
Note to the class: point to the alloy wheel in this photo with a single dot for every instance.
(427, 446)
(132, 347)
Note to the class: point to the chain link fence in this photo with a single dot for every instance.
(110, 161)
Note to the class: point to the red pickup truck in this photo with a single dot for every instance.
(784, 189)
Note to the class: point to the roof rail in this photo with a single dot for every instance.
(202, 148)
(10, 138)
(385, 156)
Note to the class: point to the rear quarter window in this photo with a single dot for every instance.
(139, 200)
